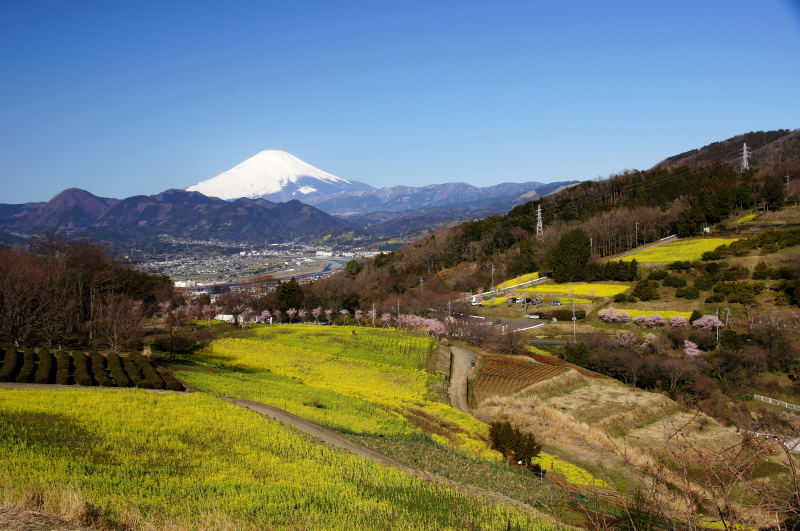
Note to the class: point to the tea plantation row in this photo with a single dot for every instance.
(87, 369)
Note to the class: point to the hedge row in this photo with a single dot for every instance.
(84, 369)
(44, 370)
(149, 371)
(28, 366)
(63, 363)
(10, 362)
(135, 374)
(566, 315)
(117, 372)
(99, 370)
(82, 375)
(171, 382)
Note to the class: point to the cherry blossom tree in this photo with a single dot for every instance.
(678, 321)
(612, 315)
(690, 349)
(291, 312)
(372, 314)
(328, 315)
(265, 315)
(247, 315)
(316, 313)
(344, 313)
(358, 316)
(386, 319)
(655, 320)
(640, 320)
(208, 312)
(707, 322)
(302, 314)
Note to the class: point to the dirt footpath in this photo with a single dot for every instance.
(24, 520)
(463, 360)
(320, 433)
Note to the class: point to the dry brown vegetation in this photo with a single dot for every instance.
(637, 440)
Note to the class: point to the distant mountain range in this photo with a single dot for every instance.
(257, 201)
(175, 213)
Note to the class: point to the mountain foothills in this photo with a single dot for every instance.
(175, 213)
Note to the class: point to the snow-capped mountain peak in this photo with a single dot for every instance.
(274, 175)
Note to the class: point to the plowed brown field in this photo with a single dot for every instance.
(500, 377)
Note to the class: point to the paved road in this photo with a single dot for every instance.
(462, 364)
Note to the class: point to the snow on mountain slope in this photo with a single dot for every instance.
(273, 175)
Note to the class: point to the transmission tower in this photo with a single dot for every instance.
(539, 228)
(745, 157)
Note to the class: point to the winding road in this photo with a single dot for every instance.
(463, 361)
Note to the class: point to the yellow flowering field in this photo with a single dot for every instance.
(595, 289)
(191, 461)
(682, 250)
(518, 280)
(574, 474)
(364, 382)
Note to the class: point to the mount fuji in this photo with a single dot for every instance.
(276, 176)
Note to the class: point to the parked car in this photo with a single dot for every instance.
(555, 303)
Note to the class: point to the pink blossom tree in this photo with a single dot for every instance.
(612, 315)
(386, 319)
(655, 320)
(209, 311)
(707, 322)
(316, 313)
(344, 313)
(358, 316)
(678, 321)
(247, 315)
(302, 314)
(291, 312)
(640, 320)
(328, 314)
(265, 315)
(371, 315)
(690, 349)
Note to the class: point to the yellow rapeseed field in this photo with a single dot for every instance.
(355, 379)
(191, 461)
(595, 289)
(682, 250)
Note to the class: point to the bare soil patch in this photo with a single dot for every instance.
(23, 520)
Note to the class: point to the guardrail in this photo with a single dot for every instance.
(780, 403)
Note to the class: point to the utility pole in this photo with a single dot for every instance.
(637, 236)
(591, 247)
(420, 285)
(398, 307)
(374, 315)
(492, 286)
(574, 320)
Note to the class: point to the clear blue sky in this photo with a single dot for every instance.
(127, 98)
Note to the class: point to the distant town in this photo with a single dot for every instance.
(203, 265)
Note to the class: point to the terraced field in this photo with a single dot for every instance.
(501, 377)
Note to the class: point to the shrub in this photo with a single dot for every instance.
(63, 363)
(82, 374)
(511, 442)
(45, 369)
(683, 265)
(687, 293)
(134, 373)
(28, 365)
(566, 315)
(762, 271)
(673, 281)
(149, 371)
(735, 273)
(658, 274)
(646, 290)
(731, 340)
(117, 372)
(620, 297)
(10, 363)
(695, 316)
(170, 382)
(99, 370)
